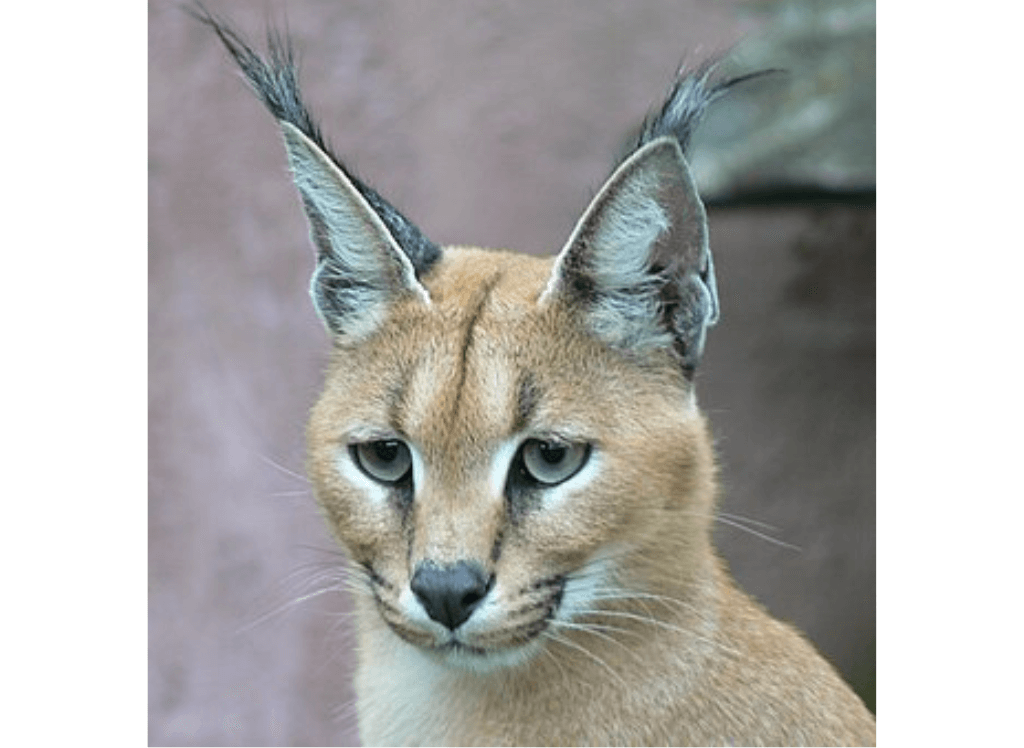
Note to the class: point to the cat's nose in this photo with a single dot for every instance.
(450, 594)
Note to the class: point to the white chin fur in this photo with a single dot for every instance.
(492, 661)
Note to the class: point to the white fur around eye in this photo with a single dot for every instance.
(418, 467)
(375, 492)
(501, 463)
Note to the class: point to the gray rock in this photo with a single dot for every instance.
(808, 127)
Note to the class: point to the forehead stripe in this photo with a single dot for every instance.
(479, 302)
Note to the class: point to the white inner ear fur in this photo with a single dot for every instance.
(630, 225)
(627, 219)
(357, 234)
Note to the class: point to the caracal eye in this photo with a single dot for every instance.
(387, 460)
(552, 462)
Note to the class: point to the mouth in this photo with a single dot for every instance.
(499, 638)
(457, 648)
(462, 656)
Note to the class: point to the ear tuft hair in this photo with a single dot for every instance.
(687, 101)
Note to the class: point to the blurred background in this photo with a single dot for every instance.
(493, 124)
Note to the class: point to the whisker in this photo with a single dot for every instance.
(749, 521)
(613, 593)
(663, 624)
(283, 469)
(592, 627)
(634, 617)
(284, 607)
(310, 581)
(290, 494)
(595, 629)
(554, 659)
(340, 578)
(569, 643)
(344, 713)
(737, 521)
(769, 538)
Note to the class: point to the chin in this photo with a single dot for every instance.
(483, 661)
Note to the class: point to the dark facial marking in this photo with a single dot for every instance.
(529, 396)
(479, 302)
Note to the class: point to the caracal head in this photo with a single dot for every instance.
(501, 436)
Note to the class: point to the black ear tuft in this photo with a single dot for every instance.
(274, 79)
(687, 101)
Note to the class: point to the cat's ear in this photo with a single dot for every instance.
(361, 268)
(368, 254)
(637, 268)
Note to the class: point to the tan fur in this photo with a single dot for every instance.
(683, 658)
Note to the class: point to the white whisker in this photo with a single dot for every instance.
(664, 624)
(286, 471)
(344, 713)
(284, 607)
(749, 521)
(558, 664)
(596, 629)
(291, 494)
(310, 581)
(737, 521)
(569, 643)
(613, 593)
(769, 538)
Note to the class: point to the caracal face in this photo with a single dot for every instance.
(489, 430)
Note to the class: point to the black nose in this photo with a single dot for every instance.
(450, 593)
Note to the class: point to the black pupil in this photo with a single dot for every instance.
(552, 454)
(386, 451)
